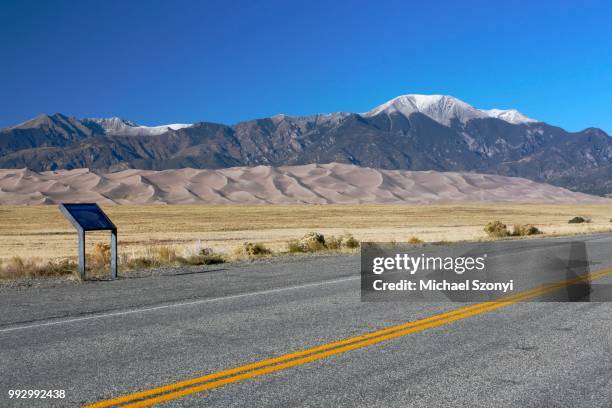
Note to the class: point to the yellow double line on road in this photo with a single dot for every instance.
(183, 388)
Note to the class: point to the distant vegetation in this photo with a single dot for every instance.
(315, 242)
(520, 230)
(251, 250)
(415, 240)
(579, 220)
(152, 236)
(98, 262)
(99, 257)
(165, 255)
(497, 229)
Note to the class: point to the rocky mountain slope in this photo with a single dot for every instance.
(410, 132)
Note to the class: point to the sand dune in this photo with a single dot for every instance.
(313, 183)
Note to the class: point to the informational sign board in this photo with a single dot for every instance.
(90, 217)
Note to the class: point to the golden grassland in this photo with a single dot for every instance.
(42, 233)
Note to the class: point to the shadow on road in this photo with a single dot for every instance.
(151, 275)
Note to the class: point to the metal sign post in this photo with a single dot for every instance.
(90, 217)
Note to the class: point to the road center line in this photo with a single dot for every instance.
(173, 305)
(177, 390)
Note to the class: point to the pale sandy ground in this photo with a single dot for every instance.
(42, 232)
(313, 184)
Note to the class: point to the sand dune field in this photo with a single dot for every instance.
(308, 184)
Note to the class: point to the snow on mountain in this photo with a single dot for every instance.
(157, 130)
(118, 126)
(445, 109)
(114, 124)
(441, 108)
(509, 115)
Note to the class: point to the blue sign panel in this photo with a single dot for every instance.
(90, 217)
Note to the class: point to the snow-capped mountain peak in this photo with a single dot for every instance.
(113, 124)
(441, 108)
(119, 126)
(444, 109)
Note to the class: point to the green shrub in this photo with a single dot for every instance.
(350, 242)
(578, 220)
(496, 229)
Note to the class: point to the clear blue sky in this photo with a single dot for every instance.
(159, 62)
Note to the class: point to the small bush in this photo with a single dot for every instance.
(579, 220)
(334, 243)
(100, 255)
(204, 259)
(255, 249)
(350, 242)
(496, 229)
(294, 247)
(205, 251)
(250, 250)
(520, 230)
(313, 242)
(415, 240)
(346, 241)
(313, 246)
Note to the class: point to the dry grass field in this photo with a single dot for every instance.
(41, 232)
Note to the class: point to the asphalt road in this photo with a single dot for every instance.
(101, 340)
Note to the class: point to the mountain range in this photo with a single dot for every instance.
(410, 132)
